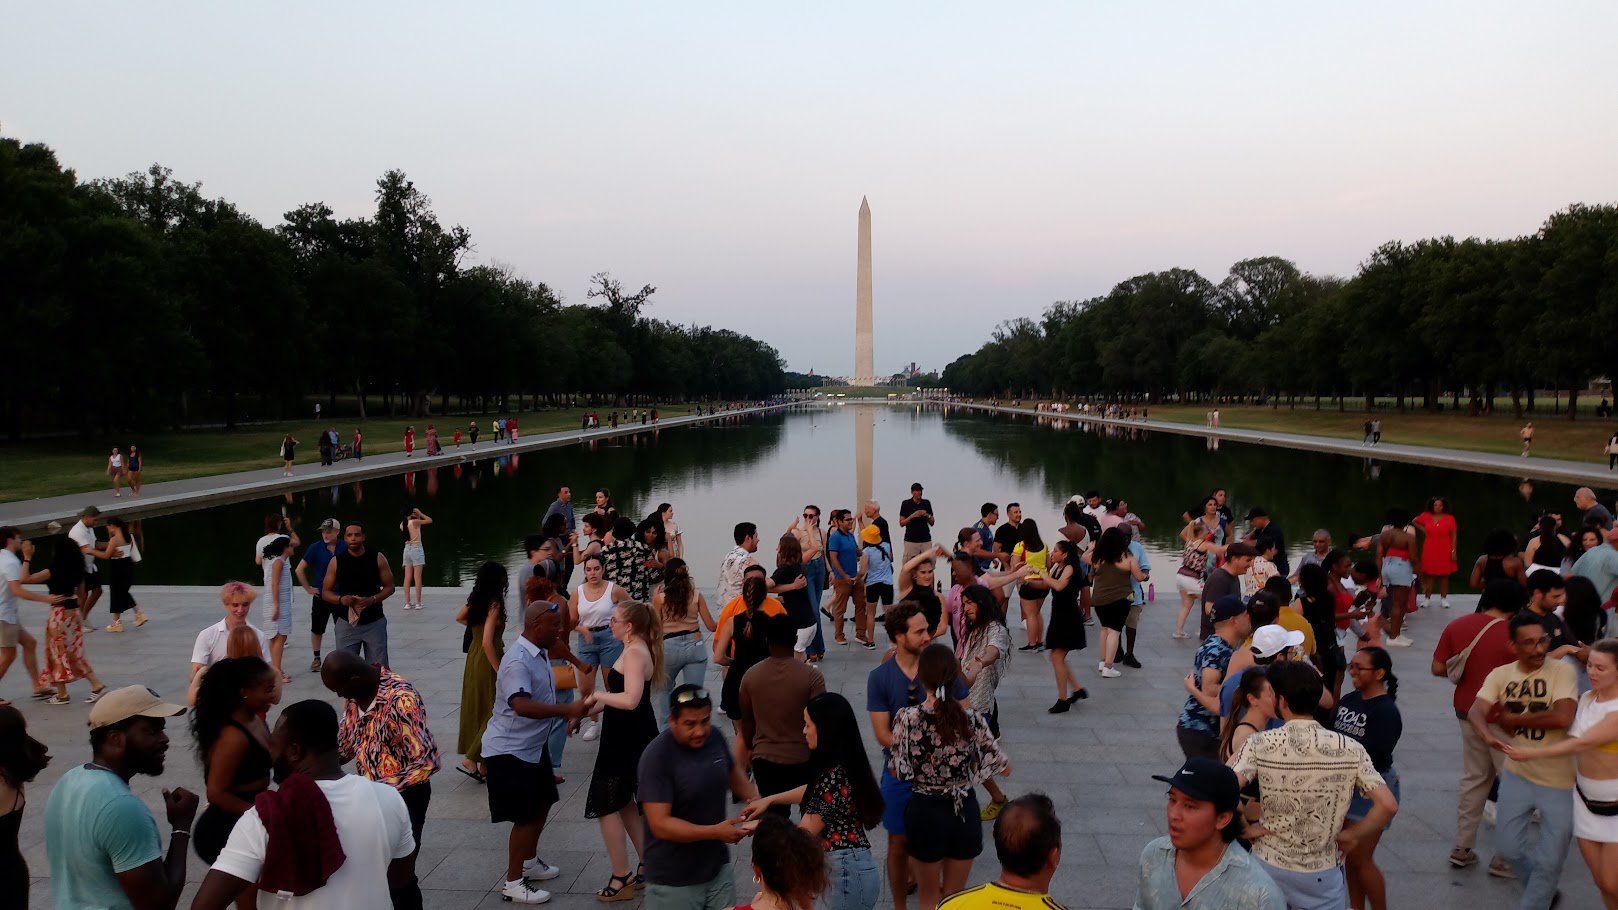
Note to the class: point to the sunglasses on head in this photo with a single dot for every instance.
(692, 697)
(551, 605)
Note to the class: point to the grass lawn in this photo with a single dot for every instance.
(1555, 436)
(54, 467)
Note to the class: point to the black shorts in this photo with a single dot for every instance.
(92, 582)
(320, 613)
(1030, 593)
(519, 791)
(934, 831)
(1114, 615)
(879, 593)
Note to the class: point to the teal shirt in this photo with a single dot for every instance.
(1238, 882)
(1600, 565)
(94, 829)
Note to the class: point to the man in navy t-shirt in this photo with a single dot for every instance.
(891, 686)
(313, 566)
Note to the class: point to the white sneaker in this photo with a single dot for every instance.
(1402, 641)
(537, 870)
(1446, 603)
(1109, 672)
(520, 893)
(591, 731)
(1490, 812)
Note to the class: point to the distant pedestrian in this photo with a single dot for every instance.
(511, 431)
(115, 470)
(134, 470)
(324, 447)
(433, 447)
(472, 433)
(457, 437)
(410, 441)
(1611, 450)
(1376, 431)
(1526, 434)
(317, 410)
(289, 448)
(917, 518)
(357, 440)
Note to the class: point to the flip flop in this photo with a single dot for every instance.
(475, 775)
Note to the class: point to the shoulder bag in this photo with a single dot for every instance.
(1455, 667)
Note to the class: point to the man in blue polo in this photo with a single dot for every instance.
(891, 686)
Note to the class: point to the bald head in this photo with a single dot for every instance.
(541, 623)
(346, 674)
(1028, 841)
(1584, 497)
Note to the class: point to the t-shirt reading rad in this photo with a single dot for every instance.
(1514, 690)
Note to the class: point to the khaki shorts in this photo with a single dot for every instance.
(1133, 621)
(8, 634)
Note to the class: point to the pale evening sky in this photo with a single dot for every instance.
(1014, 154)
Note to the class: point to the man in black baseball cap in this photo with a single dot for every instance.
(1204, 819)
(1263, 530)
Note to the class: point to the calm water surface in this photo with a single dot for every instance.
(764, 469)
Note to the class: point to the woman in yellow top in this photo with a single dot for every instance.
(1594, 739)
(1031, 551)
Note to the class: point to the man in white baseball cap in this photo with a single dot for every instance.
(1270, 641)
(102, 842)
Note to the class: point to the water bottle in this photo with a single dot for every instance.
(1151, 592)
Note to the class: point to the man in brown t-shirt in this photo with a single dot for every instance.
(774, 694)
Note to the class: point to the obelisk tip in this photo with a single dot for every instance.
(865, 207)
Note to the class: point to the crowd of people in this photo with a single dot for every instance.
(1287, 786)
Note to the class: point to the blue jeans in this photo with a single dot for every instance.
(852, 879)
(1540, 872)
(558, 740)
(683, 656)
(815, 572)
(372, 637)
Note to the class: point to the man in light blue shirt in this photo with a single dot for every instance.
(1600, 565)
(521, 786)
(101, 840)
(1133, 622)
(1204, 799)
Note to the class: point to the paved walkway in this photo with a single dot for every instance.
(1579, 472)
(1095, 763)
(182, 495)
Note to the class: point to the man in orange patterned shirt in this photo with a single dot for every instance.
(384, 732)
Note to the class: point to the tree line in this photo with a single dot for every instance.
(139, 301)
(1420, 321)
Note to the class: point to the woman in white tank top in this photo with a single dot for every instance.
(590, 608)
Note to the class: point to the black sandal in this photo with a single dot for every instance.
(640, 874)
(623, 892)
(475, 775)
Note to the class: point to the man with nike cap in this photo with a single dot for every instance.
(102, 842)
(1204, 822)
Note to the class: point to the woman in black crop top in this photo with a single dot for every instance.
(233, 744)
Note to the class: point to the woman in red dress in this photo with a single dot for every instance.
(410, 441)
(1438, 533)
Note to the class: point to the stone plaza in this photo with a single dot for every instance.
(1096, 763)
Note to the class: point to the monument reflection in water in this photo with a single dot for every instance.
(764, 469)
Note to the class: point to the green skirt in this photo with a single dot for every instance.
(477, 700)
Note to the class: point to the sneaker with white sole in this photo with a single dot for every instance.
(537, 870)
(1461, 857)
(591, 731)
(1109, 672)
(1499, 869)
(520, 892)
(1403, 641)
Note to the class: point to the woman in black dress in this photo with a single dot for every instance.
(233, 744)
(740, 645)
(627, 726)
(21, 759)
(1066, 632)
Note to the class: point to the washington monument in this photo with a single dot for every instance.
(864, 362)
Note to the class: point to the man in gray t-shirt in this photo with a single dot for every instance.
(683, 776)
